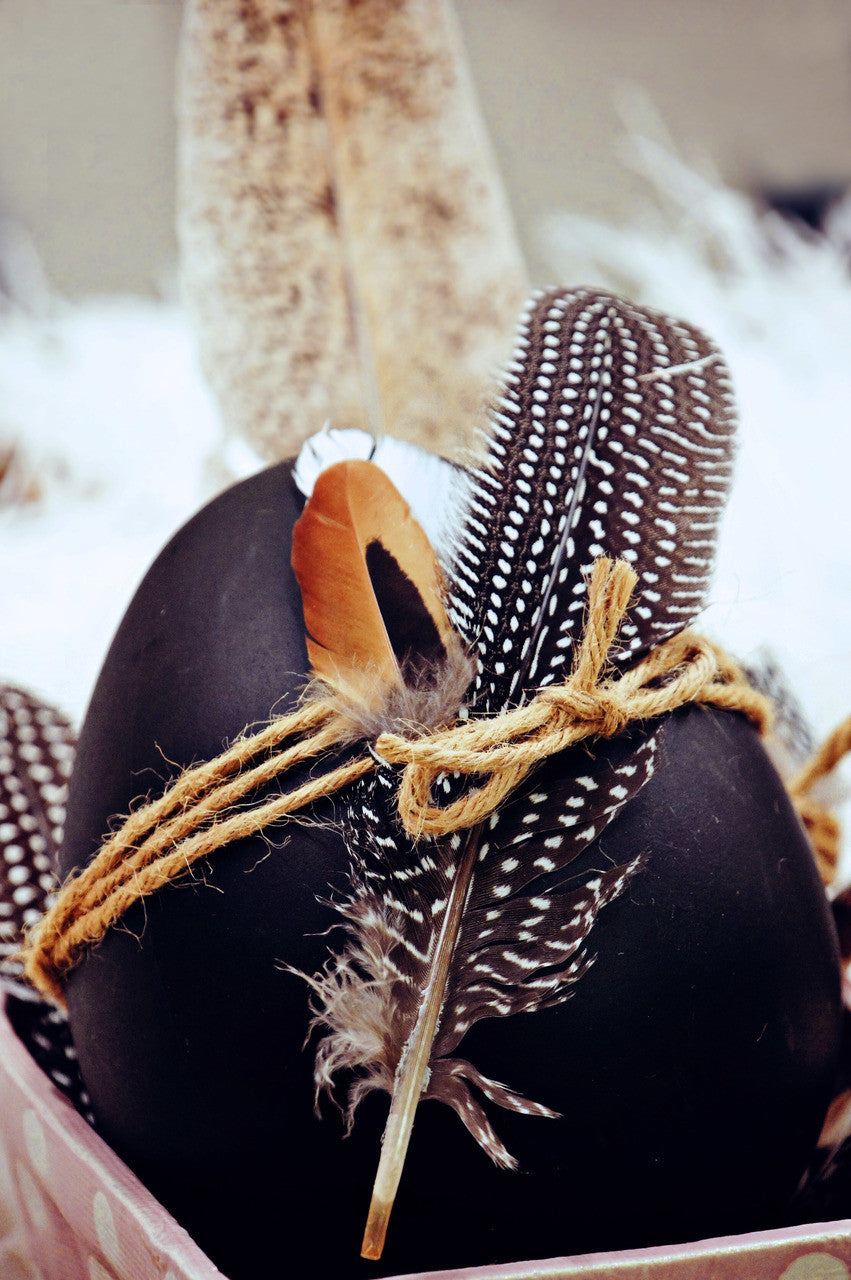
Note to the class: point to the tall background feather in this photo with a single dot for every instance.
(611, 434)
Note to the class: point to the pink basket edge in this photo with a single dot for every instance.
(69, 1128)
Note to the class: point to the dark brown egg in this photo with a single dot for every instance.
(692, 1066)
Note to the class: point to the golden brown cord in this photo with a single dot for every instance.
(198, 814)
(822, 825)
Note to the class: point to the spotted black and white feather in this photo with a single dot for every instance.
(611, 435)
(36, 752)
(521, 946)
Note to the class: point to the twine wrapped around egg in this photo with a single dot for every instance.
(203, 810)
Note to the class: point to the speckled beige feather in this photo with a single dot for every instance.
(262, 263)
(430, 239)
(347, 250)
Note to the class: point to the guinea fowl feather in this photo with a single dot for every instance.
(611, 434)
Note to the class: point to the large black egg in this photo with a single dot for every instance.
(692, 1067)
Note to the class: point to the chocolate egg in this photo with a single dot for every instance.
(691, 1068)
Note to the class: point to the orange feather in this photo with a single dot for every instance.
(371, 585)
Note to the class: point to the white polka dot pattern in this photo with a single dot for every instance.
(69, 1209)
(521, 947)
(611, 435)
(36, 753)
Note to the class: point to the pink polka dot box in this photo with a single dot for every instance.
(71, 1210)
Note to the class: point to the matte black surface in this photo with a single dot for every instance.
(692, 1067)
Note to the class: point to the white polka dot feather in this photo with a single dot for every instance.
(610, 434)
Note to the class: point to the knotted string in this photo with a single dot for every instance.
(201, 811)
(504, 749)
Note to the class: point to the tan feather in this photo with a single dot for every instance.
(372, 589)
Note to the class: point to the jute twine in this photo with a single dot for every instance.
(201, 811)
(822, 824)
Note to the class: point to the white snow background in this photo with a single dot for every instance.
(107, 410)
(110, 418)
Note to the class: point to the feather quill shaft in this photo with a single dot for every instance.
(416, 1055)
(417, 1052)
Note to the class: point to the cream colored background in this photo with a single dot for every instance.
(763, 87)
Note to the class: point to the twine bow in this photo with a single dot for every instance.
(504, 749)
